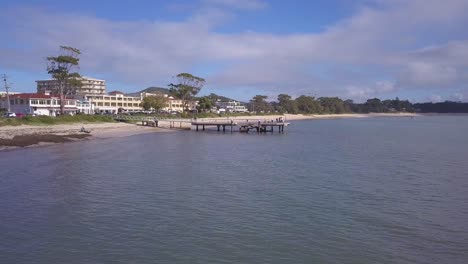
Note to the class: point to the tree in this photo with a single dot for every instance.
(204, 104)
(349, 105)
(62, 67)
(155, 102)
(259, 104)
(333, 105)
(308, 105)
(187, 87)
(375, 105)
(286, 104)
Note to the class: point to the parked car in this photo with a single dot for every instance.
(9, 115)
(20, 115)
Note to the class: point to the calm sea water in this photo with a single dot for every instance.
(377, 190)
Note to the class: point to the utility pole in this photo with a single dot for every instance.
(4, 76)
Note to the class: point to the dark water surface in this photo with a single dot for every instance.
(376, 190)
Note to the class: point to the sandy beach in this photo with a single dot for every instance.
(29, 135)
(290, 117)
(335, 116)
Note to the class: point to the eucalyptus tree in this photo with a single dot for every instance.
(64, 68)
(156, 102)
(186, 87)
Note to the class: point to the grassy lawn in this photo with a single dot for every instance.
(48, 120)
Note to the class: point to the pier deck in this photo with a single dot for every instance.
(243, 125)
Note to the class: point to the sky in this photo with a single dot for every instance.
(411, 49)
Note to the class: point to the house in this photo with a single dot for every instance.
(38, 104)
(231, 106)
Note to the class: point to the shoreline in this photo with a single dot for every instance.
(293, 117)
(25, 136)
(13, 137)
(338, 116)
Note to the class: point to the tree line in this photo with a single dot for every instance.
(333, 105)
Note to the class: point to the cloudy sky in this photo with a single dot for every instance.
(414, 49)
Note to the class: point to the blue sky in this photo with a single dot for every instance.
(415, 49)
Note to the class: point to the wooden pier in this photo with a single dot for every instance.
(260, 126)
(241, 125)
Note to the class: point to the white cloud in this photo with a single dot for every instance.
(410, 44)
(364, 92)
(420, 74)
(457, 97)
(435, 98)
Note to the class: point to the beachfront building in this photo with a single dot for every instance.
(84, 106)
(4, 93)
(231, 106)
(114, 102)
(88, 86)
(38, 104)
(174, 104)
(177, 105)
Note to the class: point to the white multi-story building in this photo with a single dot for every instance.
(38, 104)
(85, 107)
(112, 102)
(232, 106)
(88, 86)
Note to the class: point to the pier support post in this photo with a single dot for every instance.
(203, 127)
(224, 128)
(197, 127)
(218, 127)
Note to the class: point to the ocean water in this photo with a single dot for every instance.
(373, 190)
